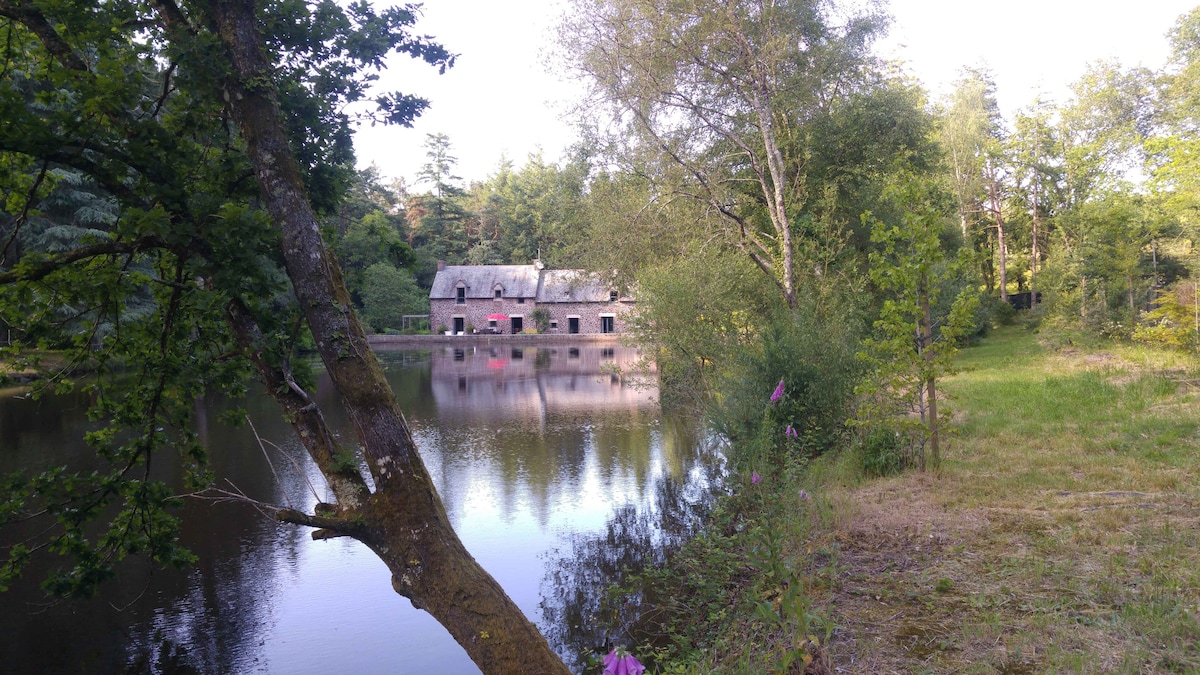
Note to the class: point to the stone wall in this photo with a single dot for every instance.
(476, 311)
(589, 315)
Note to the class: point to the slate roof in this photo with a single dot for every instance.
(571, 286)
(518, 281)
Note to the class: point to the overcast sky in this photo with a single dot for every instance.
(499, 100)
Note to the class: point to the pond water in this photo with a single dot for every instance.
(539, 454)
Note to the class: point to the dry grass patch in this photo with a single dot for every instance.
(1062, 535)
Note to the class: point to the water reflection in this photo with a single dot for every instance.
(526, 446)
(581, 621)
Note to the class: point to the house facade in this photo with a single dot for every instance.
(502, 298)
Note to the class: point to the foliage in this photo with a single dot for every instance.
(768, 118)
(1173, 321)
(128, 190)
(541, 319)
(905, 355)
(388, 294)
(813, 351)
(882, 452)
(737, 595)
(699, 311)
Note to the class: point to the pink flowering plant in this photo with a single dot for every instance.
(620, 662)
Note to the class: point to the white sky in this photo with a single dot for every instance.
(500, 100)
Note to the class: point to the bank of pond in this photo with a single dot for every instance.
(538, 453)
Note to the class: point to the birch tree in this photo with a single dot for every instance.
(716, 102)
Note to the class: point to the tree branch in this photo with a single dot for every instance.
(35, 271)
(33, 19)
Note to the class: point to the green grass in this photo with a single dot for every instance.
(1060, 534)
(1062, 530)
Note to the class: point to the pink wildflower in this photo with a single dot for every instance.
(778, 393)
(615, 664)
(755, 479)
(805, 496)
(790, 432)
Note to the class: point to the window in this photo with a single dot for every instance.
(573, 325)
(499, 294)
(520, 301)
(612, 296)
(606, 324)
(460, 295)
(554, 325)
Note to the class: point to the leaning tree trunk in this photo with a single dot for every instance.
(404, 520)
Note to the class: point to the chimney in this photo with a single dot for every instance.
(441, 265)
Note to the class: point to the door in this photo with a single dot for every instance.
(518, 324)
(573, 325)
(458, 324)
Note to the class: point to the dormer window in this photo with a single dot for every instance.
(499, 294)
(460, 295)
(612, 296)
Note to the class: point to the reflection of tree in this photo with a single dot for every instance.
(579, 616)
(210, 617)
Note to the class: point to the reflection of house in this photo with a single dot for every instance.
(504, 297)
(507, 381)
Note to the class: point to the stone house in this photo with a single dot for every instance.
(463, 297)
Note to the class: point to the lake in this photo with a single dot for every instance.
(535, 451)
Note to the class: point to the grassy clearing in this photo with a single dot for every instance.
(1062, 533)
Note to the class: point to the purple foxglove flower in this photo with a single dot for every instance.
(805, 496)
(778, 393)
(615, 664)
(755, 479)
(790, 432)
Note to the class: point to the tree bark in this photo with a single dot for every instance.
(926, 329)
(404, 520)
(1033, 253)
(994, 195)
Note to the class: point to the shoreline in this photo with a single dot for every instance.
(402, 341)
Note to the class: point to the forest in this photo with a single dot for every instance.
(813, 241)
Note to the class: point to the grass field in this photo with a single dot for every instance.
(1061, 534)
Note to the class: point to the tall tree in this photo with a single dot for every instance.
(971, 129)
(906, 265)
(1032, 150)
(968, 123)
(440, 224)
(1103, 128)
(717, 102)
(1174, 154)
(139, 100)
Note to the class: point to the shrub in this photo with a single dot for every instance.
(814, 354)
(541, 320)
(881, 452)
